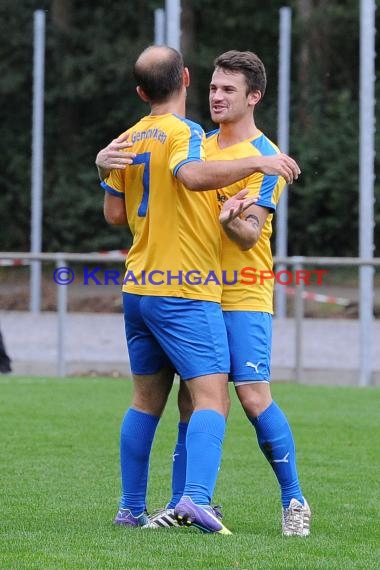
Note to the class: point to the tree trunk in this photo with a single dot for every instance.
(61, 11)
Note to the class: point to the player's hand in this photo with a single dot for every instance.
(234, 206)
(280, 165)
(115, 155)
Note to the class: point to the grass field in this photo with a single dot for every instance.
(59, 483)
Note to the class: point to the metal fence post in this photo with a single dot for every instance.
(61, 313)
(298, 315)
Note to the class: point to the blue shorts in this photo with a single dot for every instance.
(187, 334)
(250, 341)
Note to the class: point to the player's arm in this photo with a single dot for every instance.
(242, 220)
(214, 174)
(114, 210)
(114, 156)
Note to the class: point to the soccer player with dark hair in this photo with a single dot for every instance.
(237, 86)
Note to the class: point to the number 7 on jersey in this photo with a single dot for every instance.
(143, 158)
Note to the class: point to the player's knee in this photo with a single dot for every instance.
(210, 392)
(218, 402)
(254, 398)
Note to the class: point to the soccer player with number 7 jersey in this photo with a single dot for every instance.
(172, 319)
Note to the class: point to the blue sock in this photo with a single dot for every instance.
(276, 442)
(204, 440)
(136, 438)
(179, 466)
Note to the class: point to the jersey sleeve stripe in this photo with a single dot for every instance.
(185, 162)
(266, 192)
(111, 190)
(264, 146)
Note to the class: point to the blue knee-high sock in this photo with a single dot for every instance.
(204, 440)
(179, 466)
(136, 438)
(276, 442)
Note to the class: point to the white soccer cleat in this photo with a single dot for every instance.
(163, 518)
(296, 519)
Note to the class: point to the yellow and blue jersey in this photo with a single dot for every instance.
(176, 248)
(246, 286)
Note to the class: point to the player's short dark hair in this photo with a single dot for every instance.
(161, 79)
(247, 63)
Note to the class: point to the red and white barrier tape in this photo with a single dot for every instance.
(15, 262)
(12, 262)
(113, 252)
(319, 298)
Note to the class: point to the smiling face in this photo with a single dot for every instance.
(228, 98)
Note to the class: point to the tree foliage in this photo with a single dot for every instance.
(90, 98)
